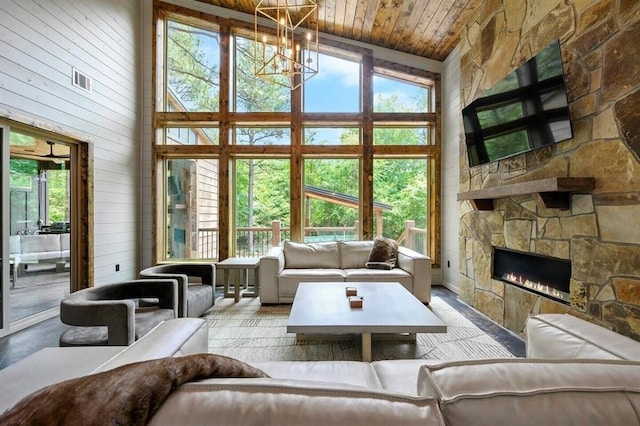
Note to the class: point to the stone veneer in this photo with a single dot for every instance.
(600, 42)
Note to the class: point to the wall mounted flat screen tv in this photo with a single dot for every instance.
(527, 110)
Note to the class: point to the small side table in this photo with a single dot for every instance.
(240, 266)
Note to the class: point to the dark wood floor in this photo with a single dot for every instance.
(25, 342)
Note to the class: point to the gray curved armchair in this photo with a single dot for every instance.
(108, 315)
(196, 285)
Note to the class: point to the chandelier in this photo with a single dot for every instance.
(290, 57)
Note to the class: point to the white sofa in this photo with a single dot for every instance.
(582, 374)
(39, 248)
(283, 268)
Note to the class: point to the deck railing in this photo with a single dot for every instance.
(256, 241)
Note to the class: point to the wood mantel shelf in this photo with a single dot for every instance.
(551, 193)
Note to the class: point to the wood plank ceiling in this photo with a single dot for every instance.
(427, 28)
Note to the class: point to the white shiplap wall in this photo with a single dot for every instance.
(451, 133)
(40, 42)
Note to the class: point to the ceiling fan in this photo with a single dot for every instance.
(55, 158)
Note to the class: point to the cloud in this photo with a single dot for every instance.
(348, 72)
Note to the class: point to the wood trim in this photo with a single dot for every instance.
(392, 69)
(224, 160)
(435, 192)
(296, 169)
(157, 81)
(406, 150)
(82, 259)
(82, 200)
(366, 180)
(413, 119)
(332, 150)
(548, 193)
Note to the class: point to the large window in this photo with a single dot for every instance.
(193, 68)
(401, 200)
(261, 205)
(332, 136)
(331, 200)
(351, 154)
(190, 136)
(336, 88)
(191, 209)
(393, 95)
(251, 93)
(262, 135)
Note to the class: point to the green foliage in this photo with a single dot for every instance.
(252, 93)
(21, 172)
(270, 199)
(59, 201)
(403, 185)
(24, 175)
(193, 76)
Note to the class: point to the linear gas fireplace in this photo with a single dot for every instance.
(547, 276)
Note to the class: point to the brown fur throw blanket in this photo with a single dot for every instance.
(127, 395)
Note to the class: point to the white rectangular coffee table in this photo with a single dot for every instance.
(388, 308)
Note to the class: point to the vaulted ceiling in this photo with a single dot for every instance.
(427, 28)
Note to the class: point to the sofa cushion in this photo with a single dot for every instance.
(377, 275)
(566, 336)
(534, 392)
(292, 402)
(200, 299)
(312, 255)
(354, 254)
(383, 255)
(352, 373)
(40, 243)
(400, 375)
(14, 244)
(289, 279)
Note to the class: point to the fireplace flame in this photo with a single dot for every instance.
(537, 286)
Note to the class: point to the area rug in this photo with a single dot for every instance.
(251, 332)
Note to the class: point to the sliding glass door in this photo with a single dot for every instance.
(4, 229)
(37, 190)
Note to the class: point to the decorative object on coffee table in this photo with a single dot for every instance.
(355, 301)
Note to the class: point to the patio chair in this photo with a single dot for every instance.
(109, 315)
(196, 285)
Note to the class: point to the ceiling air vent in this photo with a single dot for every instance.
(82, 81)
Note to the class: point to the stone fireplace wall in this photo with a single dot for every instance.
(600, 234)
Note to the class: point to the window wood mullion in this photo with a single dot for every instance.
(224, 208)
(296, 213)
(366, 178)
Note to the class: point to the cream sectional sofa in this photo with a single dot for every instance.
(39, 248)
(581, 374)
(283, 268)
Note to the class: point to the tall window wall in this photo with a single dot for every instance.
(243, 164)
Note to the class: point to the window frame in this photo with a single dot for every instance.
(226, 119)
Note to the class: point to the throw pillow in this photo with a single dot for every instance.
(384, 254)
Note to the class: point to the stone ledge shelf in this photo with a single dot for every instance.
(551, 193)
